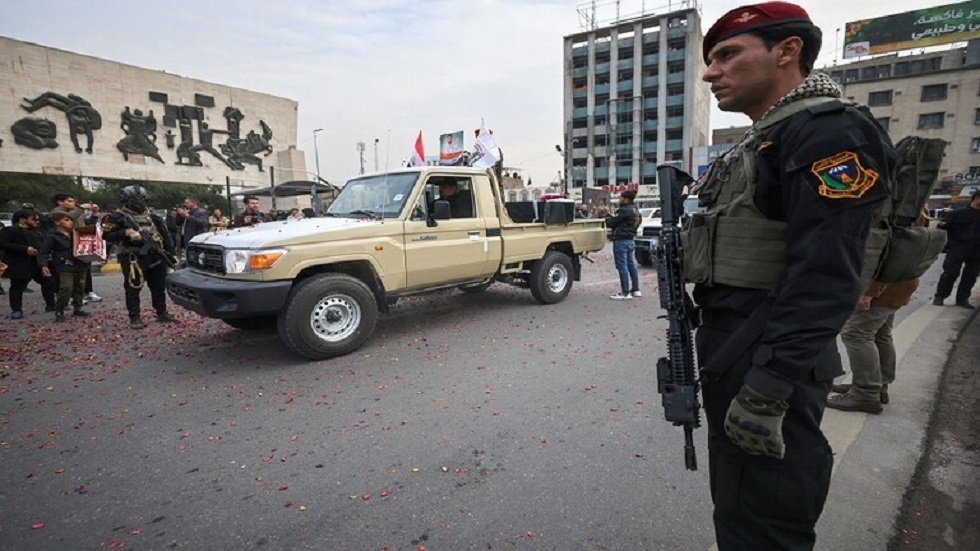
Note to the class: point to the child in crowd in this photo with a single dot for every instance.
(57, 259)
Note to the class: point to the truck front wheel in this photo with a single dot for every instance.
(551, 278)
(328, 315)
(644, 258)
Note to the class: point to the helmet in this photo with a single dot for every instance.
(133, 197)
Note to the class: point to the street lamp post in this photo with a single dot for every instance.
(376, 154)
(564, 172)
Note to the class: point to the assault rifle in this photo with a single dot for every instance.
(677, 379)
(149, 244)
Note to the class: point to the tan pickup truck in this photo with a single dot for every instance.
(323, 281)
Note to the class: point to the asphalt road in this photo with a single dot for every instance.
(467, 422)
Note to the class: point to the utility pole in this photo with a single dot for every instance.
(360, 153)
(316, 152)
(376, 154)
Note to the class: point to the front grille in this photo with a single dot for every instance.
(206, 259)
(651, 232)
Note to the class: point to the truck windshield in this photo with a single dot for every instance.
(380, 196)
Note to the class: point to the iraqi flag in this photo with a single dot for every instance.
(485, 153)
(418, 156)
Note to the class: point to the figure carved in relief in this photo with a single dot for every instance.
(82, 117)
(241, 152)
(140, 134)
(205, 134)
(35, 133)
(186, 148)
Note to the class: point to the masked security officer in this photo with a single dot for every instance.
(777, 259)
(145, 250)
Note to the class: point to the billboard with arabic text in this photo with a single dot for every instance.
(913, 29)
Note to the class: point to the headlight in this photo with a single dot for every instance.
(240, 261)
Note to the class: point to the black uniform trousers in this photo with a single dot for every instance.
(761, 502)
(154, 276)
(954, 262)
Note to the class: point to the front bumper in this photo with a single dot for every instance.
(214, 297)
(646, 244)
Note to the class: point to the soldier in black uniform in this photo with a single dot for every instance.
(143, 242)
(789, 210)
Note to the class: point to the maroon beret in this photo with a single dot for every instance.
(752, 18)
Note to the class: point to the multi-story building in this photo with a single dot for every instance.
(633, 100)
(934, 95)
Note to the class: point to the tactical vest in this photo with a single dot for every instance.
(145, 225)
(732, 242)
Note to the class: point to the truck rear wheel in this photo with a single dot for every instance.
(551, 278)
(252, 324)
(328, 315)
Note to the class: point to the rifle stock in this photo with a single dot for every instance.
(677, 380)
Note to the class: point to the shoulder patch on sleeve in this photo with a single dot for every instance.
(842, 176)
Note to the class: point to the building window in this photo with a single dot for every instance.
(975, 145)
(884, 71)
(850, 75)
(932, 120)
(902, 68)
(600, 140)
(880, 98)
(883, 121)
(976, 117)
(869, 73)
(935, 92)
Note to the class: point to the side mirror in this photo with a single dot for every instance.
(441, 210)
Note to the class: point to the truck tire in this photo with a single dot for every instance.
(328, 315)
(643, 258)
(551, 278)
(252, 324)
(476, 289)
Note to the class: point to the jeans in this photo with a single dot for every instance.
(629, 277)
(867, 336)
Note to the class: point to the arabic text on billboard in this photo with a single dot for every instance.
(913, 29)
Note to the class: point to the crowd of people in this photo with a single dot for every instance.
(40, 247)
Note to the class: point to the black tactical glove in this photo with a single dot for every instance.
(755, 423)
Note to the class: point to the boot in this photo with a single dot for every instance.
(937, 301)
(59, 316)
(846, 387)
(847, 402)
(81, 313)
(164, 317)
(136, 323)
(50, 308)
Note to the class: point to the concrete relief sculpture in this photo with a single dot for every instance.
(186, 148)
(82, 117)
(241, 152)
(140, 134)
(35, 133)
(140, 129)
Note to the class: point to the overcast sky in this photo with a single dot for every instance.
(377, 69)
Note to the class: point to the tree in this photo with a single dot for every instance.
(18, 189)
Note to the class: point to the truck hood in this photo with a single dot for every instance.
(272, 234)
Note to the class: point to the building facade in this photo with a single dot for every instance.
(65, 113)
(933, 95)
(633, 99)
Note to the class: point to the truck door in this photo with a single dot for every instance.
(452, 250)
